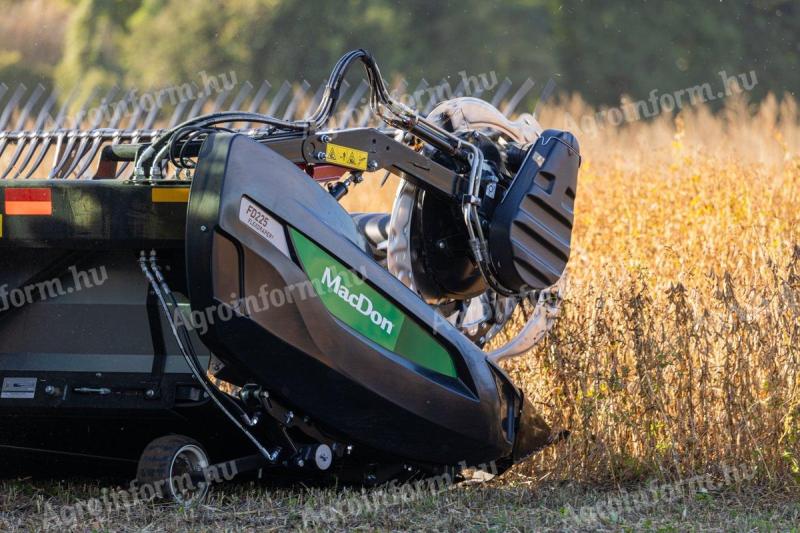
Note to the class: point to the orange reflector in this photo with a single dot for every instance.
(26, 201)
(170, 194)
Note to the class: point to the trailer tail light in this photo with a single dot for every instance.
(26, 201)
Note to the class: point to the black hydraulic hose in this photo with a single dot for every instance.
(202, 378)
(156, 270)
(393, 113)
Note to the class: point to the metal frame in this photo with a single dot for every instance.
(47, 144)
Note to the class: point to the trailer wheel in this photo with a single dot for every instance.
(172, 468)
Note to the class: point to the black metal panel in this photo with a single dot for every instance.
(532, 226)
(97, 214)
(317, 365)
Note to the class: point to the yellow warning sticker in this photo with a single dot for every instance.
(346, 157)
(170, 195)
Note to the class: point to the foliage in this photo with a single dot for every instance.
(602, 49)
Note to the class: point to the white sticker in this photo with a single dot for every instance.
(259, 221)
(18, 388)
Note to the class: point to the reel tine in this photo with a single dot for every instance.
(460, 90)
(176, 113)
(44, 112)
(59, 120)
(481, 88)
(198, 104)
(521, 93)
(401, 89)
(149, 121)
(260, 96)
(422, 86)
(241, 96)
(32, 137)
(75, 157)
(11, 105)
(318, 95)
(299, 94)
(256, 101)
(22, 118)
(219, 100)
(236, 105)
(64, 109)
(103, 105)
(134, 128)
(366, 115)
(99, 137)
(116, 118)
(432, 100)
(80, 114)
(36, 139)
(549, 89)
(3, 90)
(62, 152)
(135, 113)
(355, 98)
(501, 91)
(26, 110)
(276, 102)
(20, 147)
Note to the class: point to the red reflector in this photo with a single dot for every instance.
(327, 172)
(28, 202)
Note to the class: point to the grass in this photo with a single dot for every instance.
(513, 503)
(676, 353)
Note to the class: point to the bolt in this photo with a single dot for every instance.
(441, 244)
(373, 165)
(150, 393)
(301, 463)
(321, 156)
(50, 390)
(326, 138)
(203, 228)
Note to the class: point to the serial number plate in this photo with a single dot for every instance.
(259, 221)
(336, 154)
(18, 388)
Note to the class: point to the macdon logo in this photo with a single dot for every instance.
(357, 301)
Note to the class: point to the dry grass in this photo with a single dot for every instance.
(679, 346)
(510, 504)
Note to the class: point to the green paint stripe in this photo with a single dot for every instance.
(354, 302)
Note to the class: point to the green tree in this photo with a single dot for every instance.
(92, 42)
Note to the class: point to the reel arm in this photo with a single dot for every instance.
(381, 152)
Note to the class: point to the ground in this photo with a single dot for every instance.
(511, 503)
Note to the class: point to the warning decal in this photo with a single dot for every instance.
(346, 157)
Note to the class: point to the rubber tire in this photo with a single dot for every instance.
(156, 469)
